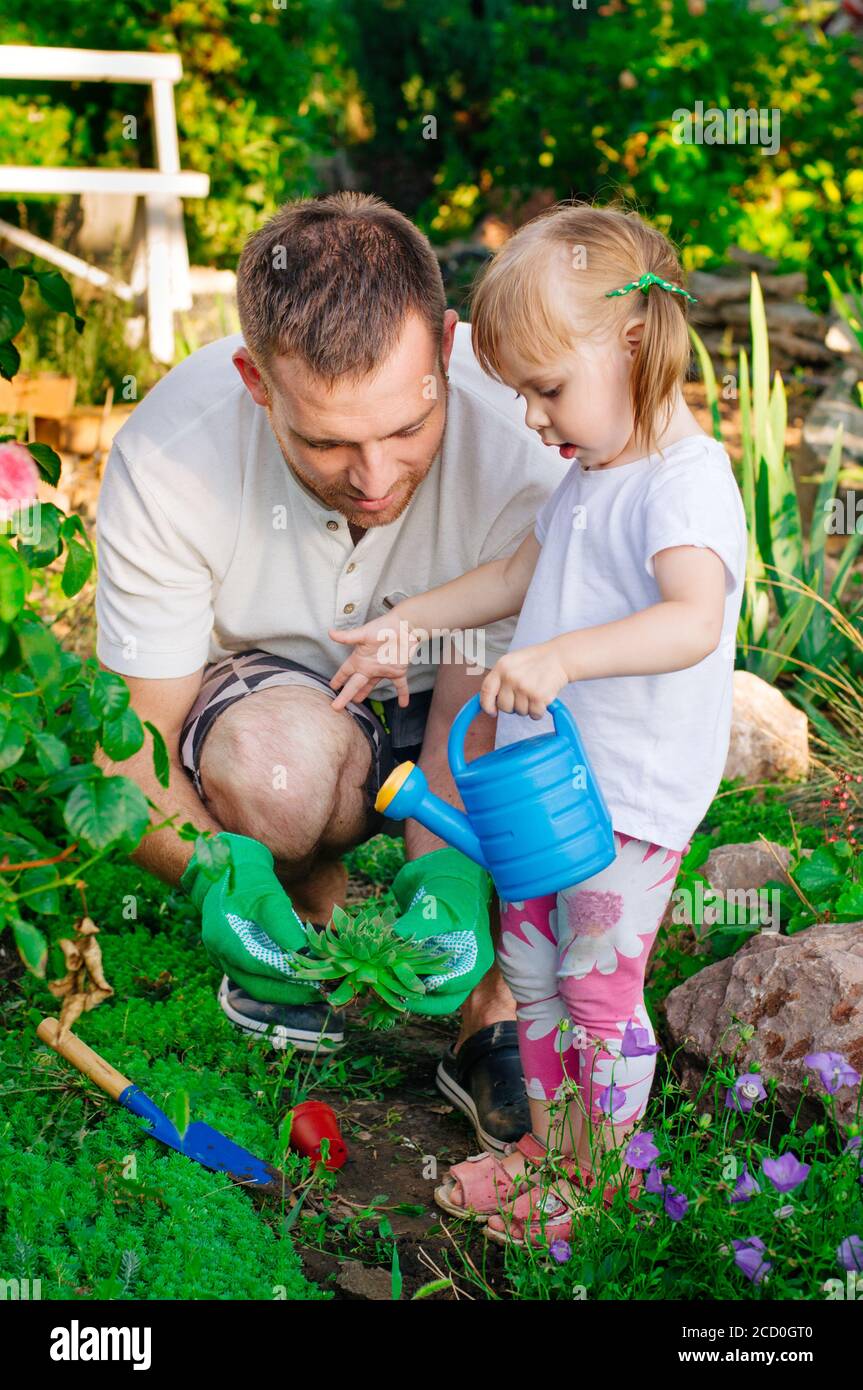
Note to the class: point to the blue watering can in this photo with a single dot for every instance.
(534, 815)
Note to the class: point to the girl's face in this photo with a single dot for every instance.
(581, 403)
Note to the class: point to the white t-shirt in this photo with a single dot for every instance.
(657, 743)
(208, 544)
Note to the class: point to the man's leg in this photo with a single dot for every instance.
(284, 768)
(491, 1001)
(281, 767)
(481, 1073)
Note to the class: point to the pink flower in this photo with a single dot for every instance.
(19, 479)
(592, 913)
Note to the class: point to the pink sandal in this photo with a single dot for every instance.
(485, 1184)
(536, 1217)
(588, 1181)
(539, 1216)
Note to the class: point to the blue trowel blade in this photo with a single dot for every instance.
(203, 1144)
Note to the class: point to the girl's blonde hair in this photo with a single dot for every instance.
(548, 284)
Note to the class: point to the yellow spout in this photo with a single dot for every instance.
(393, 784)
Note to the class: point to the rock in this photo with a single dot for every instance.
(769, 737)
(841, 339)
(782, 317)
(360, 1281)
(753, 260)
(798, 349)
(736, 872)
(720, 345)
(783, 286)
(800, 994)
(712, 290)
(837, 406)
(730, 868)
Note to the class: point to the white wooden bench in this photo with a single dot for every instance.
(164, 267)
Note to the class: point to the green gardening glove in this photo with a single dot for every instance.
(444, 899)
(249, 928)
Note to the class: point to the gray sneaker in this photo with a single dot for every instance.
(308, 1027)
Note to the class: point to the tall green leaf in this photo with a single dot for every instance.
(760, 371)
(708, 376)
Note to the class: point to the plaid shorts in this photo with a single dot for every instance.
(394, 734)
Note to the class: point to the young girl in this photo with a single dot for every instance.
(628, 593)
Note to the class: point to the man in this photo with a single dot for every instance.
(305, 475)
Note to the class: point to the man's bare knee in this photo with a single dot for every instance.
(279, 765)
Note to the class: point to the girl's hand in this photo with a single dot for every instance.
(380, 652)
(524, 682)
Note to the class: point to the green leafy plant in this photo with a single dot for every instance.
(59, 812)
(826, 886)
(791, 619)
(848, 304)
(367, 955)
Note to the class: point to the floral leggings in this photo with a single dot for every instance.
(575, 962)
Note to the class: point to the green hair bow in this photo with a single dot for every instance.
(644, 282)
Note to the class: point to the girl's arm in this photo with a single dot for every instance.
(679, 631)
(669, 636)
(382, 648)
(484, 595)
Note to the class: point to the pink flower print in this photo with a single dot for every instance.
(598, 925)
(591, 912)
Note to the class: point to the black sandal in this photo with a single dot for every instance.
(484, 1080)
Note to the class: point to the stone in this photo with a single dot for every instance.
(753, 260)
(735, 873)
(732, 868)
(769, 736)
(362, 1281)
(841, 339)
(792, 318)
(799, 350)
(800, 994)
(783, 286)
(836, 406)
(711, 290)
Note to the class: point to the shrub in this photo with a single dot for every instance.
(59, 813)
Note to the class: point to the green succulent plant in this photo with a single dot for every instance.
(367, 955)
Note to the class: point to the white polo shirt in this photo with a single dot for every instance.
(208, 544)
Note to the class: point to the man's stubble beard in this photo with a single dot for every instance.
(333, 496)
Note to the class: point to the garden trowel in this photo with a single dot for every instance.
(199, 1142)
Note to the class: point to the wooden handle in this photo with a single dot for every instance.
(84, 1058)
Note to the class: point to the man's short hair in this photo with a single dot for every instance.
(331, 281)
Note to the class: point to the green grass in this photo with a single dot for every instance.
(88, 1204)
(94, 1209)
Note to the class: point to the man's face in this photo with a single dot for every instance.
(362, 448)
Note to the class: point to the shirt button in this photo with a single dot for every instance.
(332, 526)
(351, 567)
(349, 608)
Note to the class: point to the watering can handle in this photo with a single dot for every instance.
(564, 725)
